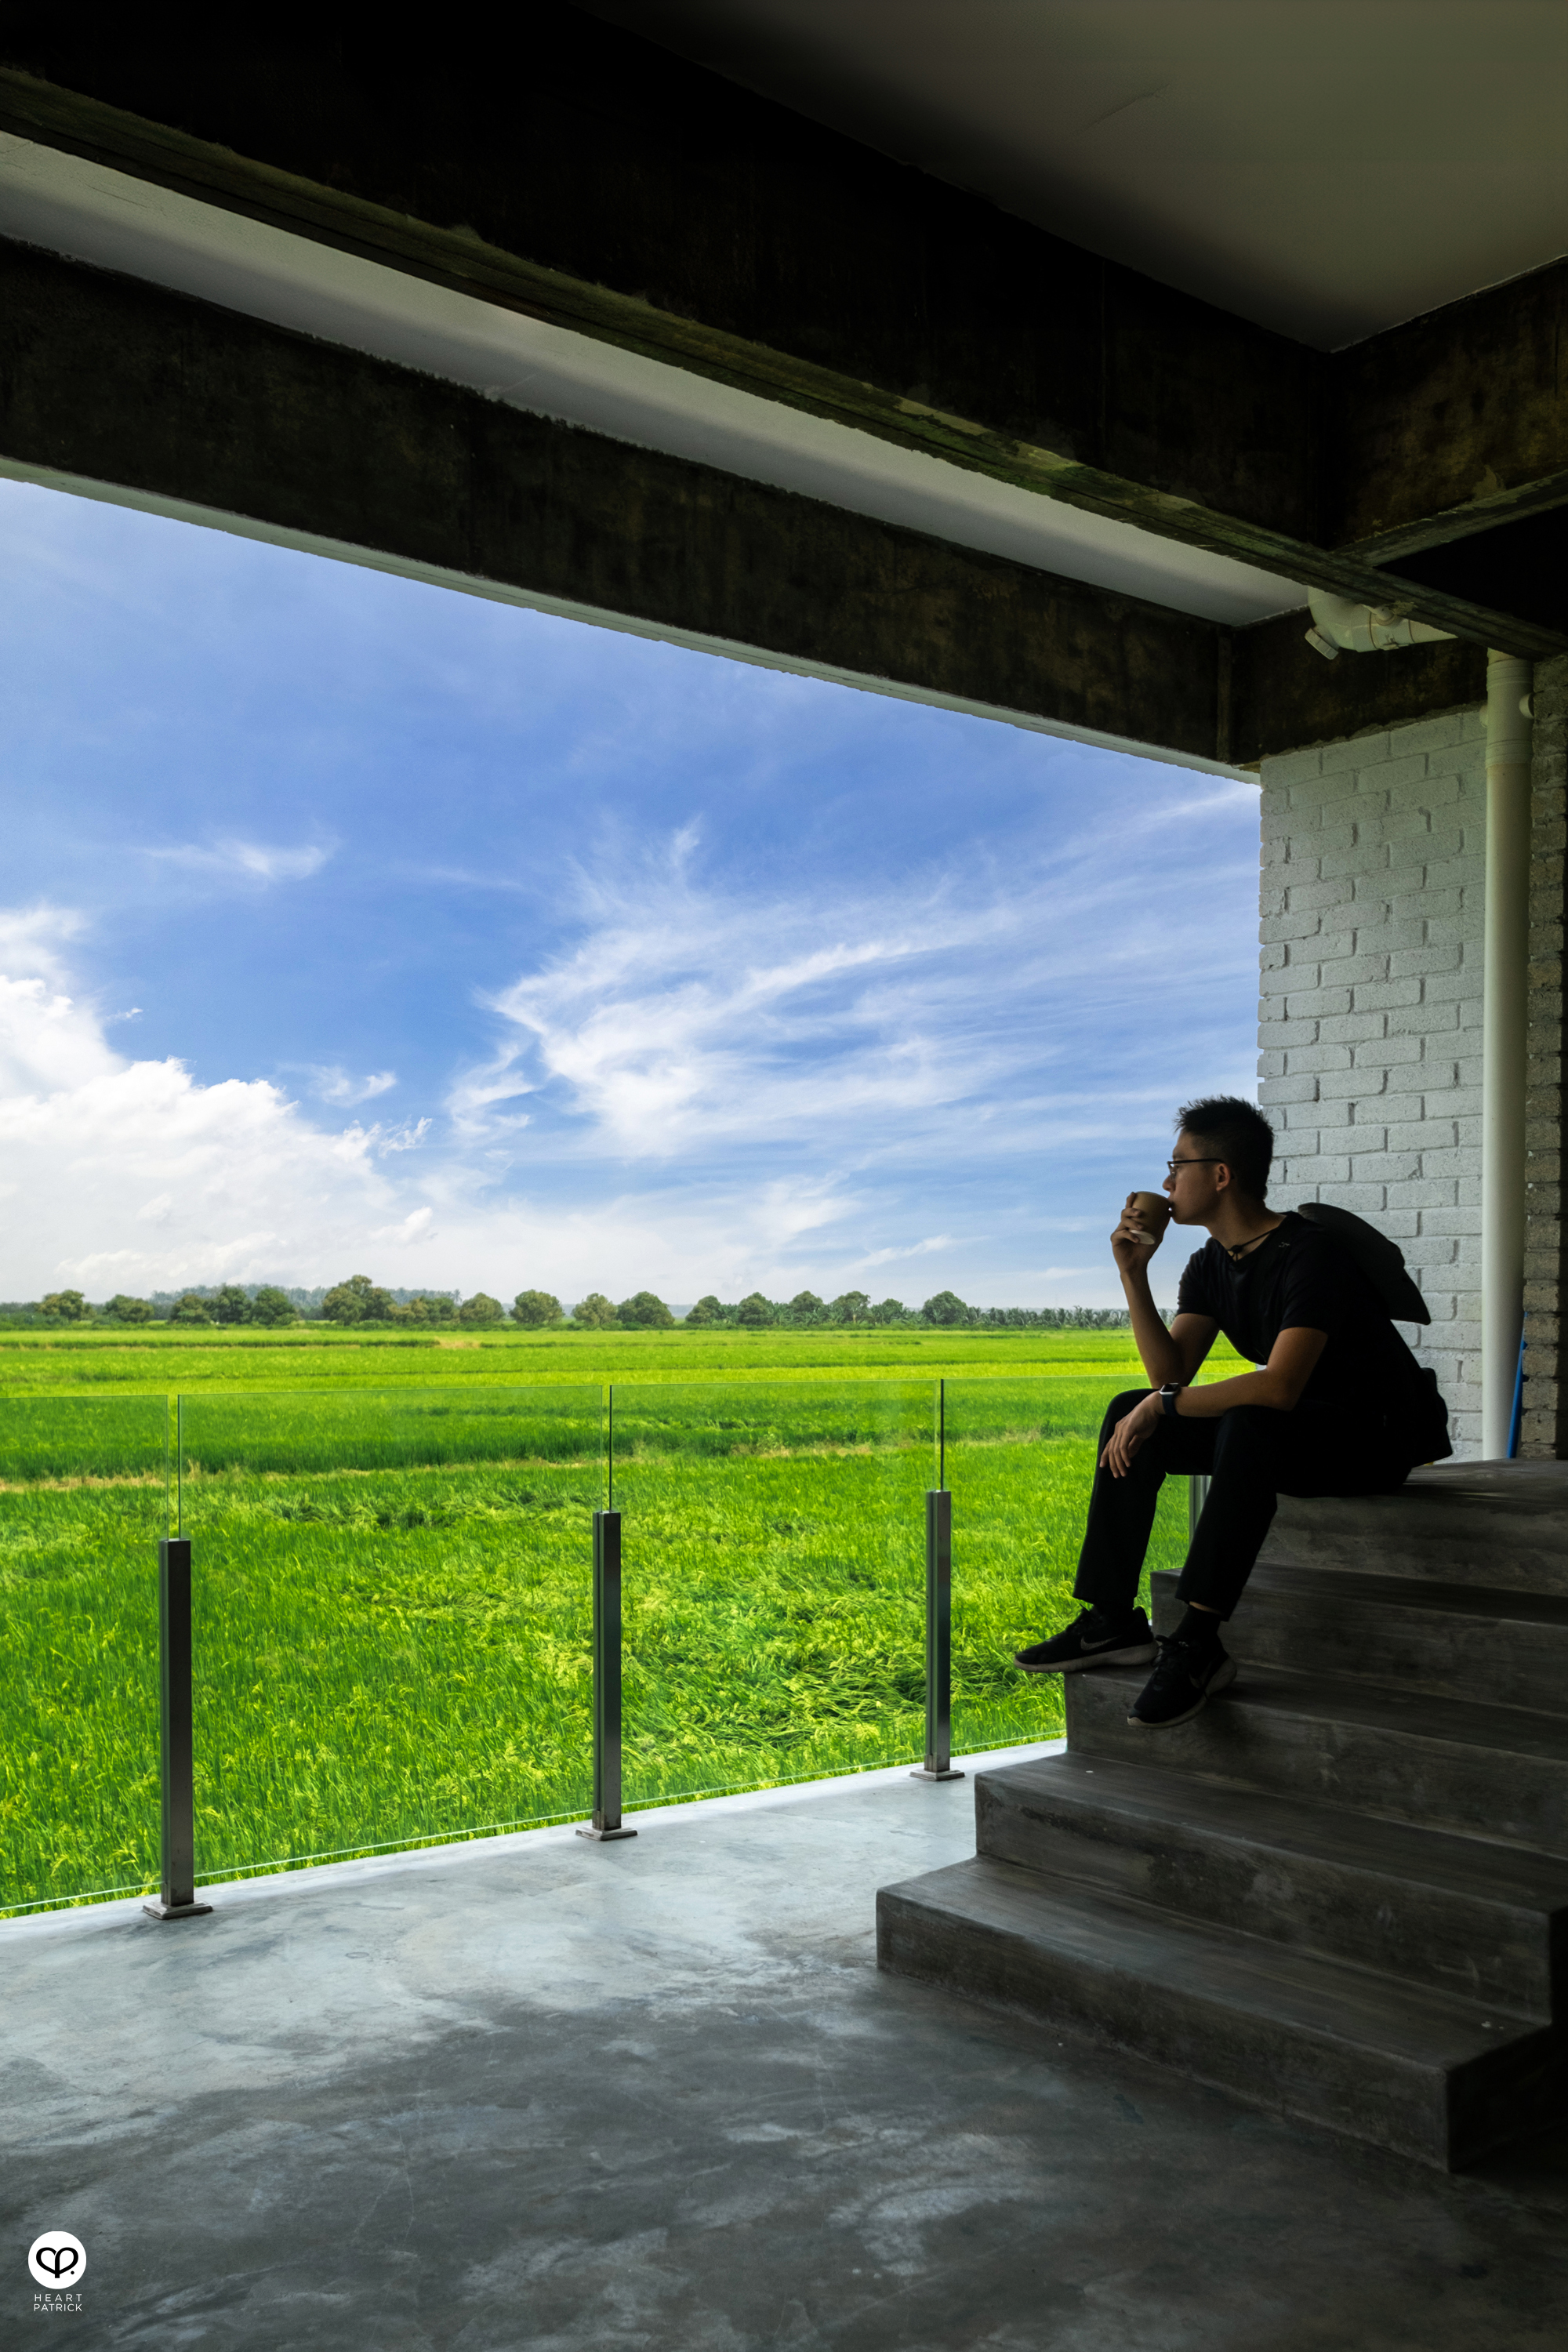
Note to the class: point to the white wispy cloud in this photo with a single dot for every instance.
(689, 1021)
(331, 1084)
(33, 939)
(407, 1137)
(684, 1022)
(927, 1248)
(1165, 807)
(248, 861)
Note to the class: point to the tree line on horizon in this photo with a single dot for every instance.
(359, 1301)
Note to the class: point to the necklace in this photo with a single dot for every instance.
(1236, 1254)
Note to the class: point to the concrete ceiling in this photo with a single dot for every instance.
(1325, 167)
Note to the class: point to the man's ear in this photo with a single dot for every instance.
(1221, 1176)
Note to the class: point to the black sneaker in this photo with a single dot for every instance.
(1094, 1639)
(1186, 1678)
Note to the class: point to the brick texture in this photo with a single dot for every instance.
(1545, 1431)
(1370, 1012)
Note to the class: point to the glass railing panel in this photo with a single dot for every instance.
(1019, 1458)
(773, 1550)
(392, 1601)
(83, 1486)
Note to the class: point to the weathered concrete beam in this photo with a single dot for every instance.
(1451, 423)
(1286, 698)
(110, 385)
(595, 180)
(122, 390)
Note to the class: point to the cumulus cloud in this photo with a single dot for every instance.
(419, 1225)
(247, 861)
(126, 1174)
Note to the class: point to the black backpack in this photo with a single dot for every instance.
(1383, 1264)
(1381, 1260)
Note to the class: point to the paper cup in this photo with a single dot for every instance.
(1152, 1212)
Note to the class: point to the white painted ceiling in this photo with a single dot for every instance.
(116, 221)
(1326, 167)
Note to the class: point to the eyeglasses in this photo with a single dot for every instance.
(1212, 1160)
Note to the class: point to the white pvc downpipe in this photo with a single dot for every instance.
(1503, 1042)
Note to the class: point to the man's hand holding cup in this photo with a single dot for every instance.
(1140, 1231)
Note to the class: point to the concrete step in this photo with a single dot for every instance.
(1493, 1772)
(1491, 1523)
(1402, 2065)
(1481, 1922)
(1452, 1640)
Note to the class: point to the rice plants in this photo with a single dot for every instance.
(318, 1356)
(393, 1606)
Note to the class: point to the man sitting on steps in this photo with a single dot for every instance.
(1338, 1406)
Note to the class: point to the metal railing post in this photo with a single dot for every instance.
(607, 1821)
(176, 1753)
(938, 1765)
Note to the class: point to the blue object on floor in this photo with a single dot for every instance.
(1516, 1417)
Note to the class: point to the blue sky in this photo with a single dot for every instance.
(352, 925)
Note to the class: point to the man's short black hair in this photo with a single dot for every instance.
(1236, 1132)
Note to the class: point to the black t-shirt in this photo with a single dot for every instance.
(1300, 1276)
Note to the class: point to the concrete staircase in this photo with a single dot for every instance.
(1343, 1889)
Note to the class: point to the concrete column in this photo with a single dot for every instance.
(1503, 1033)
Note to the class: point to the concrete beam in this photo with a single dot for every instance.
(122, 390)
(1452, 424)
(116, 389)
(1286, 698)
(596, 182)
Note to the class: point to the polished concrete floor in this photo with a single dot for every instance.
(542, 2093)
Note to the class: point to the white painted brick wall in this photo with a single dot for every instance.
(1370, 1013)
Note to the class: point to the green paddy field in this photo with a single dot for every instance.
(392, 1546)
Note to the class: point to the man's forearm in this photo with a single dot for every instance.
(1161, 1355)
(1262, 1387)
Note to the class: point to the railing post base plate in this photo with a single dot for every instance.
(603, 1836)
(176, 1910)
(925, 1772)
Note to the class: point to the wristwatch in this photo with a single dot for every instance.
(1168, 1395)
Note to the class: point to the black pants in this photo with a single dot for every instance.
(1252, 1454)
